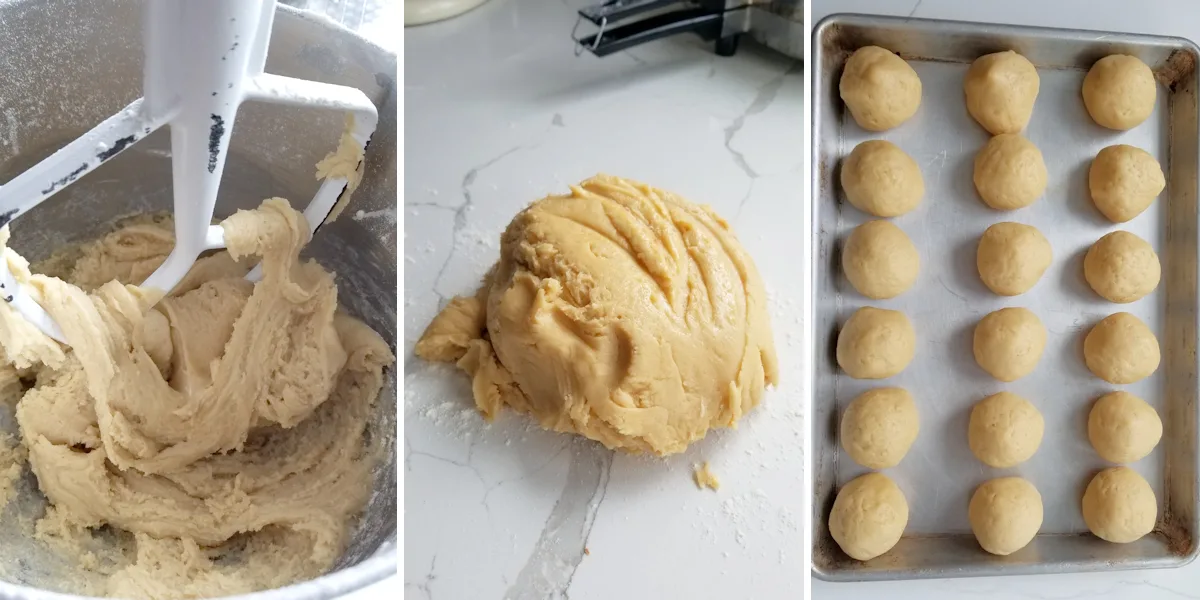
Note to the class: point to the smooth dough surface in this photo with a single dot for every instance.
(1119, 505)
(1123, 428)
(882, 180)
(619, 312)
(1004, 430)
(879, 427)
(1119, 92)
(1012, 257)
(1001, 89)
(880, 89)
(869, 516)
(875, 343)
(1009, 172)
(1009, 342)
(227, 420)
(1122, 267)
(1005, 514)
(1124, 181)
(879, 260)
(1120, 349)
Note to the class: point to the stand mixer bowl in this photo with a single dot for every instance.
(65, 65)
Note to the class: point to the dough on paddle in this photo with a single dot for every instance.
(1119, 505)
(1004, 430)
(1012, 257)
(879, 427)
(1009, 172)
(1009, 342)
(868, 516)
(1124, 181)
(1001, 89)
(1121, 267)
(1123, 428)
(875, 343)
(1119, 92)
(879, 260)
(1005, 514)
(1121, 349)
(880, 89)
(881, 180)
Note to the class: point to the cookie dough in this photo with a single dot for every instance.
(1124, 181)
(1001, 89)
(1123, 428)
(880, 89)
(1122, 267)
(1120, 349)
(1119, 505)
(1005, 514)
(1012, 257)
(875, 343)
(1004, 430)
(868, 516)
(619, 312)
(1009, 342)
(881, 180)
(879, 427)
(1009, 172)
(879, 260)
(1119, 92)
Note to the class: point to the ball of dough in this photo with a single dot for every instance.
(1123, 428)
(879, 427)
(881, 180)
(868, 516)
(1009, 172)
(1009, 343)
(1121, 267)
(1012, 257)
(1119, 91)
(875, 343)
(879, 88)
(879, 260)
(1005, 430)
(1124, 181)
(1001, 89)
(1121, 349)
(1119, 505)
(1005, 514)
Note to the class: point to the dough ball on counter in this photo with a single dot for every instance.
(1122, 267)
(1005, 514)
(1009, 172)
(868, 516)
(1004, 430)
(1119, 505)
(1123, 428)
(879, 427)
(1124, 181)
(881, 180)
(879, 260)
(1119, 92)
(1001, 89)
(880, 89)
(875, 343)
(1121, 349)
(1009, 342)
(1012, 257)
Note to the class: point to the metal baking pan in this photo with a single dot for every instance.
(939, 474)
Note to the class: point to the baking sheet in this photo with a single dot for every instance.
(940, 473)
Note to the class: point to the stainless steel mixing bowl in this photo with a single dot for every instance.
(67, 64)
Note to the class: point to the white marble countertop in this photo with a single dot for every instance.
(499, 112)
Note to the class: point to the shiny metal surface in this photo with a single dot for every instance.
(939, 474)
(778, 25)
(64, 66)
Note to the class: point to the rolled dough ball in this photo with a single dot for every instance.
(1001, 89)
(1124, 181)
(1009, 172)
(1119, 91)
(1121, 349)
(1012, 257)
(879, 427)
(868, 516)
(1119, 505)
(1005, 430)
(875, 343)
(879, 88)
(1005, 514)
(1121, 267)
(881, 180)
(1009, 343)
(879, 260)
(1123, 428)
